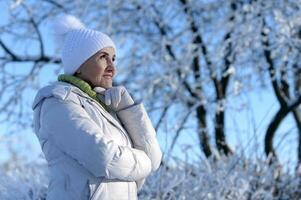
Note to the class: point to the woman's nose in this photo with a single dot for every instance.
(111, 66)
(109, 62)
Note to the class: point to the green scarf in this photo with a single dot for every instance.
(83, 86)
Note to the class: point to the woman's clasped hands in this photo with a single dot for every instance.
(117, 98)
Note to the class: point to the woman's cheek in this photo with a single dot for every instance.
(98, 79)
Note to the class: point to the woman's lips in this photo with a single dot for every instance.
(108, 76)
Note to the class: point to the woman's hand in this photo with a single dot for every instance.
(117, 98)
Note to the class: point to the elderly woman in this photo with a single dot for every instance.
(99, 143)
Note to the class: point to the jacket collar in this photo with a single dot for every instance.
(62, 90)
(83, 86)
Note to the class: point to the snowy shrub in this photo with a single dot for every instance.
(23, 180)
(228, 178)
(232, 178)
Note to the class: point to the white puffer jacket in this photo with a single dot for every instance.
(90, 154)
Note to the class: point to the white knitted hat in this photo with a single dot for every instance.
(79, 43)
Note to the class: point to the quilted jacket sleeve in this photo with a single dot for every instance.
(73, 132)
(141, 131)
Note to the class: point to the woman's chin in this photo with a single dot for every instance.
(105, 85)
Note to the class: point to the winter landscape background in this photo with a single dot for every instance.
(221, 80)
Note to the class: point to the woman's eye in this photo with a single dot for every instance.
(102, 56)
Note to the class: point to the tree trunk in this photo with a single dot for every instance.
(280, 115)
(203, 131)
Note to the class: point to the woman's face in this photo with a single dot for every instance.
(99, 69)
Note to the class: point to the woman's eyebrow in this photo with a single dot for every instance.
(104, 53)
(107, 54)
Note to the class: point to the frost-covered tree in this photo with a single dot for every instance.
(276, 57)
(164, 42)
(281, 47)
(185, 58)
